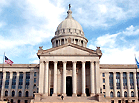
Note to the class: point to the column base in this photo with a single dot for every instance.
(38, 96)
(64, 94)
(55, 94)
(45, 94)
(83, 95)
(92, 94)
(74, 95)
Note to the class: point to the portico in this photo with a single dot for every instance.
(73, 71)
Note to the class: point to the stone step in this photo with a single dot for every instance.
(67, 99)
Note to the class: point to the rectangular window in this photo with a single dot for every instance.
(1, 78)
(27, 80)
(138, 80)
(14, 80)
(7, 80)
(118, 80)
(103, 74)
(35, 74)
(103, 86)
(103, 80)
(111, 80)
(124, 80)
(131, 80)
(104, 94)
(34, 80)
(20, 80)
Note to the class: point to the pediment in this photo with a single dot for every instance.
(69, 49)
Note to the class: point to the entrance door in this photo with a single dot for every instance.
(69, 86)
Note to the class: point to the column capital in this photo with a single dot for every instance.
(92, 61)
(83, 61)
(97, 61)
(127, 72)
(46, 61)
(121, 72)
(55, 61)
(41, 61)
(64, 61)
(134, 72)
(106, 72)
(74, 61)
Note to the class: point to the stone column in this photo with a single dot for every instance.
(83, 79)
(31, 83)
(46, 77)
(64, 78)
(10, 84)
(41, 77)
(128, 85)
(17, 82)
(92, 78)
(60, 41)
(55, 79)
(97, 77)
(3, 84)
(114, 82)
(107, 84)
(74, 79)
(121, 84)
(24, 82)
(135, 84)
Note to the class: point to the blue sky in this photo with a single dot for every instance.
(111, 24)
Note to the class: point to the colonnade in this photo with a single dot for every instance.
(94, 79)
(30, 89)
(121, 85)
(61, 41)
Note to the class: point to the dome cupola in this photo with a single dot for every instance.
(69, 28)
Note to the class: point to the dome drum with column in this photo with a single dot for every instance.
(69, 31)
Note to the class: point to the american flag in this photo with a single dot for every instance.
(8, 61)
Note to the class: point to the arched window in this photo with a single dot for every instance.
(111, 94)
(19, 93)
(27, 94)
(13, 93)
(33, 94)
(6, 93)
(118, 94)
(34, 87)
(125, 94)
(132, 94)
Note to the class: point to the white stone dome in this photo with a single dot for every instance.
(69, 31)
(69, 26)
(69, 23)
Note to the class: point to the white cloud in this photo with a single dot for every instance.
(35, 62)
(118, 56)
(131, 30)
(114, 51)
(106, 40)
(105, 13)
(40, 21)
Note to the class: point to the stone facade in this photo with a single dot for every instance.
(70, 69)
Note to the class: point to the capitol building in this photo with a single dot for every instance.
(70, 69)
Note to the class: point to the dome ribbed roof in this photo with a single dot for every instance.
(69, 23)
